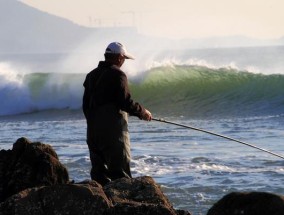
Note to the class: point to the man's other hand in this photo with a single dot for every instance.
(147, 116)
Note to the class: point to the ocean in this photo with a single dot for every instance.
(236, 92)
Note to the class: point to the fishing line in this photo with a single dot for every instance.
(219, 135)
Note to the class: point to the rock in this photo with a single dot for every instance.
(34, 182)
(250, 203)
(29, 165)
(141, 189)
(138, 196)
(123, 196)
(4, 162)
(83, 199)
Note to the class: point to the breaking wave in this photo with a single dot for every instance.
(187, 90)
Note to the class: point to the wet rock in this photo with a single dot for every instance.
(27, 165)
(249, 203)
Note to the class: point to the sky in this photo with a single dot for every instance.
(261, 19)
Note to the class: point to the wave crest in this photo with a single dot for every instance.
(202, 91)
(188, 90)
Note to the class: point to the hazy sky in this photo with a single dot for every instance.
(176, 19)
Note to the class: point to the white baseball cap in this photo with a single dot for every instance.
(118, 48)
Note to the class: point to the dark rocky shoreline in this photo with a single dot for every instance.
(33, 181)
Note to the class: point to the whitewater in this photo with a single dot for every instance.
(237, 92)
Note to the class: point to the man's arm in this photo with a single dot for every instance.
(127, 104)
(86, 99)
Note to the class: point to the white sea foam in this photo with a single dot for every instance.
(27, 92)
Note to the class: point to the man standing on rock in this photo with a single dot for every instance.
(106, 102)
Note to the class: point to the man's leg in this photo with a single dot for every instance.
(118, 158)
(99, 169)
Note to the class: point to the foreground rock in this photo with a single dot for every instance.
(252, 203)
(138, 196)
(90, 198)
(29, 165)
(33, 181)
(57, 199)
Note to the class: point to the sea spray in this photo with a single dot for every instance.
(191, 90)
(30, 92)
(13, 92)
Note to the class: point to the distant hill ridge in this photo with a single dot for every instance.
(25, 29)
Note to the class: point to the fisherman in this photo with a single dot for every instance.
(106, 104)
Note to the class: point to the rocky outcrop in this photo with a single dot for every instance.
(34, 182)
(250, 203)
(58, 199)
(138, 196)
(90, 198)
(29, 165)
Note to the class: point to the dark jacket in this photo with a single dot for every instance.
(106, 85)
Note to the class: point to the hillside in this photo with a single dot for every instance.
(26, 29)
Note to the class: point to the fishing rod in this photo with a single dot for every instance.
(219, 135)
